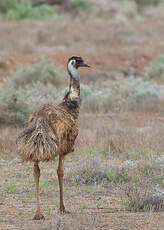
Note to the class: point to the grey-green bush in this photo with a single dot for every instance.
(90, 171)
(42, 82)
(13, 107)
(143, 198)
(123, 93)
(39, 93)
(22, 9)
(43, 71)
(148, 2)
(93, 170)
(155, 70)
(27, 88)
(82, 4)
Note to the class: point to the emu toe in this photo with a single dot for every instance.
(38, 216)
(63, 211)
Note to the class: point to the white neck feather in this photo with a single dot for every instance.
(73, 71)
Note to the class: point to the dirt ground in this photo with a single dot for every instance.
(90, 206)
(109, 42)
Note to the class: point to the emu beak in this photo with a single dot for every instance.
(83, 65)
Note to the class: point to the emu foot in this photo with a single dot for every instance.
(38, 216)
(63, 211)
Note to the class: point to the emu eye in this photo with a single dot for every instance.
(73, 62)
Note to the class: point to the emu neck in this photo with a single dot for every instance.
(72, 101)
(74, 87)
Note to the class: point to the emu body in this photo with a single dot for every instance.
(51, 131)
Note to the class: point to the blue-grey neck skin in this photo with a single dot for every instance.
(73, 71)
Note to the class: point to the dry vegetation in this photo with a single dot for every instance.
(115, 177)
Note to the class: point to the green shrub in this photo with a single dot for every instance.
(142, 198)
(21, 9)
(88, 91)
(42, 12)
(140, 94)
(129, 94)
(160, 161)
(43, 71)
(155, 70)
(148, 2)
(81, 4)
(135, 93)
(39, 93)
(10, 187)
(6, 5)
(14, 108)
(27, 88)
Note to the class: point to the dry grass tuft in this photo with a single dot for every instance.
(144, 190)
(90, 171)
(142, 198)
(69, 222)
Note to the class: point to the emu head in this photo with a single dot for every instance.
(73, 64)
(76, 62)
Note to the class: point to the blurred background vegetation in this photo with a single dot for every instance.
(44, 9)
(27, 87)
(120, 145)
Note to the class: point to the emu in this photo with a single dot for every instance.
(51, 131)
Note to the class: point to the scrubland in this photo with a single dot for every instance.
(114, 179)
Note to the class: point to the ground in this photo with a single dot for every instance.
(108, 43)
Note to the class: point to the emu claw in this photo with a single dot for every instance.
(38, 216)
(63, 211)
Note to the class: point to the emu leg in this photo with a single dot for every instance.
(60, 173)
(38, 215)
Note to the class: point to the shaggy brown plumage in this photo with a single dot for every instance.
(51, 130)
